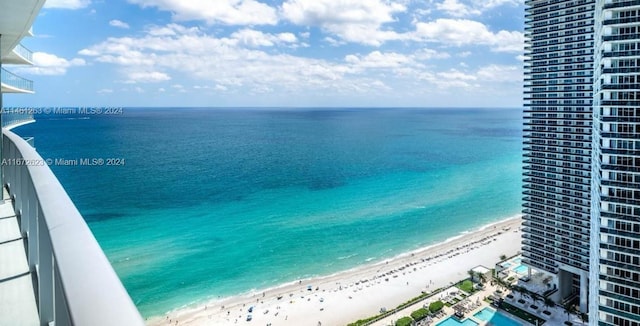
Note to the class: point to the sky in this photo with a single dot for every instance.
(276, 53)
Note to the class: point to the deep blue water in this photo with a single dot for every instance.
(215, 202)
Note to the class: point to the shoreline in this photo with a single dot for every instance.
(388, 283)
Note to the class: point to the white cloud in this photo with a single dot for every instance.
(461, 32)
(67, 4)
(467, 8)
(368, 22)
(229, 12)
(287, 37)
(119, 24)
(224, 61)
(351, 20)
(376, 59)
(457, 9)
(255, 38)
(245, 63)
(502, 77)
(428, 54)
(105, 91)
(50, 64)
(333, 42)
(146, 77)
(501, 73)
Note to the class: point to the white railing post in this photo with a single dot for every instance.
(45, 271)
(30, 211)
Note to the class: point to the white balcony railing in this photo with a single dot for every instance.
(13, 118)
(14, 83)
(23, 52)
(75, 284)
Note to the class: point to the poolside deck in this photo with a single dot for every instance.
(17, 296)
(475, 303)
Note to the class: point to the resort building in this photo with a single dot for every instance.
(615, 232)
(52, 270)
(558, 100)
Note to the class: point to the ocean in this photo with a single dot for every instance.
(211, 202)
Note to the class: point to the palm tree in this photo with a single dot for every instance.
(522, 290)
(517, 289)
(584, 317)
(548, 303)
(568, 308)
(536, 297)
(471, 273)
(482, 278)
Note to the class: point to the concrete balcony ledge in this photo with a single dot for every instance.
(75, 283)
(20, 55)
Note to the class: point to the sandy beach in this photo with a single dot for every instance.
(361, 292)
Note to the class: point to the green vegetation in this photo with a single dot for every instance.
(584, 317)
(369, 320)
(366, 321)
(502, 283)
(420, 314)
(569, 308)
(414, 300)
(466, 286)
(522, 314)
(436, 306)
(482, 278)
(404, 321)
(503, 257)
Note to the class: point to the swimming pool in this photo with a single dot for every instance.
(522, 269)
(451, 321)
(517, 260)
(495, 318)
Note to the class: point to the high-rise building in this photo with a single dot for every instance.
(558, 100)
(615, 232)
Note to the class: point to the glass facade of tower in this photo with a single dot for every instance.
(557, 142)
(616, 165)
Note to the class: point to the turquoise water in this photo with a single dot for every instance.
(517, 260)
(495, 318)
(217, 202)
(451, 321)
(521, 269)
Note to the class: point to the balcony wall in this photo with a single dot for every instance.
(20, 55)
(75, 283)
